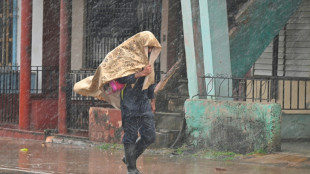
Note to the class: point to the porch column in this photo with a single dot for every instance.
(64, 54)
(215, 43)
(164, 35)
(25, 65)
(189, 48)
(207, 48)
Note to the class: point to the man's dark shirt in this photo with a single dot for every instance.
(134, 101)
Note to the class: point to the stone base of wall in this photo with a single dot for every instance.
(105, 125)
(24, 134)
(239, 127)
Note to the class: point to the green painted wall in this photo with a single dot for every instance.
(233, 126)
(255, 29)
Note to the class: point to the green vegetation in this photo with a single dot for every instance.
(226, 156)
(181, 150)
(107, 146)
(258, 152)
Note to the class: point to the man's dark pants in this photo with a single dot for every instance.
(146, 127)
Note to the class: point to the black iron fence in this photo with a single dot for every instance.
(44, 83)
(9, 98)
(78, 110)
(291, 93)
(78, 105)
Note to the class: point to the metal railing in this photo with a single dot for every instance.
(43, 79)
(78, 110)
(9, 97)
(44, 83)
(9, 79)
(291, 93)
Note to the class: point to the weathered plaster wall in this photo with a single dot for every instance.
(51, 30)
(295, 126)
(255, 27)
(233, 126)
(77, 34)
(37, 33)
(44, 114)
(105, 125)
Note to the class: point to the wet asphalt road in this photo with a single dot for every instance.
(64, 159)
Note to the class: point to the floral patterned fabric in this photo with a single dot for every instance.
(126, 59)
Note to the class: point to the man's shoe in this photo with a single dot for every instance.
(130, 158)
(124, 160)
(136, 171)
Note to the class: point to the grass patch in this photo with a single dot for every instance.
(181, 150)
(218, 155)
(107, 146)
(258, 152)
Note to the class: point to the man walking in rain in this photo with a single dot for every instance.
(137, 115)
(131, 64)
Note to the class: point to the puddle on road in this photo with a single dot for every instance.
(55, 158)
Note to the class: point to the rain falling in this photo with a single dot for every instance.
(155, 86)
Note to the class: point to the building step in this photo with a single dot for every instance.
(169, 121)
(168, 126)
(164, 138)
(176, 104)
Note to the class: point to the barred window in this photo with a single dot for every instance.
(6, 32)
(110, 22)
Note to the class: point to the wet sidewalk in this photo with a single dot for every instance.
(64, 159)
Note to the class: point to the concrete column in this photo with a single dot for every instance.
(197, 31)
(25, 65)
(215, 40)
(64, 57)
(207, 48)
(189, 48)
(164, 35)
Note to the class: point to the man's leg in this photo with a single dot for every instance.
(129, 139)
(130, 155)
(147, 132)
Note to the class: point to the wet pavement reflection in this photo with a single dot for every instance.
(59, 158)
